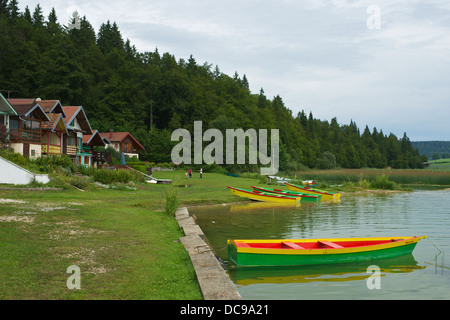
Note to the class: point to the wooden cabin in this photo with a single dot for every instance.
(25, 128)
(53, 131)
(123, 142)
(77, 125)
(90, 144)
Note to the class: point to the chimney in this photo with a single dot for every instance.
(110, 134)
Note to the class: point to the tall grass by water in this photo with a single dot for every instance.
(399, 176)
(171, 200)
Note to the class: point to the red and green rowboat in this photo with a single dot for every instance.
(257, 253)
(267, 197)
(305, 197)
(305, 189)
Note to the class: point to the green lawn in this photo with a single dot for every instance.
(124, 243)
(125, 248)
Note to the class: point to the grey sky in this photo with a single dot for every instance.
(318, 55)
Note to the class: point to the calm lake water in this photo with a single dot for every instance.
(423, 275)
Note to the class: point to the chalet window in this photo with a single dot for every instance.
(31, 125)
(126, 147)
(14, 124)
(71, 141)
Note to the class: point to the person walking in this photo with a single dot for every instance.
(190, 173)
(201, 172)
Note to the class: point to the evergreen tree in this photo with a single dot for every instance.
(13, 9)
(38, 17)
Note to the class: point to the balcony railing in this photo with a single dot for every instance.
(51, 149)
(16, 135)
(71, 150)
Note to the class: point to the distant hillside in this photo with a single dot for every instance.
(428, 148)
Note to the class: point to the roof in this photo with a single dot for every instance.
(5, 106)
(119, 137)
(52, 106)
(55, 120)
(77, 112)
(93, 139)
(28, 108)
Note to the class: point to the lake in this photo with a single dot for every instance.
(423, 275)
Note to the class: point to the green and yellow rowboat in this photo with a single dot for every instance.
(267, 253)
(260, 196)
(305, 197)
(305, 189)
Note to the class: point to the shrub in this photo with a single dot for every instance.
(80, 182)
(112, 176)
(383, 182)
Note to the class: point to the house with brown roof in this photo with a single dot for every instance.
(53, 134)
(91, 143)
(77, 125)
(123, 142)
(25, 128)
(54, 131)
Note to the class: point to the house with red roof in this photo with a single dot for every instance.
(77, 125)
(123, 142)
(25, 127)
(90, 144)
(54, 131)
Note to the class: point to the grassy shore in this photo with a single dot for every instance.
(124, 242)
(122, 239)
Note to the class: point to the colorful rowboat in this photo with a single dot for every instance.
(260, 196)
(305, 197)
(232, 175)
(305, 189)
(257, 253)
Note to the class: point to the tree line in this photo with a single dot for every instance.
(150, 94)
(433, 149)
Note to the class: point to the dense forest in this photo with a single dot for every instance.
(150, 94)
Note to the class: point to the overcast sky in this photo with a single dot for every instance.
(330, 57)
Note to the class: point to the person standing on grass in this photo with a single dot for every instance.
(190, 173)
(201, 172)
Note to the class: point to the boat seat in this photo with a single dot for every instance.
(292, 245)
(331, 244)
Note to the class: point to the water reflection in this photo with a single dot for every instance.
(324, 273)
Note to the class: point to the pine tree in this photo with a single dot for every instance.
(38, 17)
(13, 8)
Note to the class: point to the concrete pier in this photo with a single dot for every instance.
(212, 278)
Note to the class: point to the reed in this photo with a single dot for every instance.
(399, 176)
(171, 200)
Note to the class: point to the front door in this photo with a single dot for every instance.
(26, 150)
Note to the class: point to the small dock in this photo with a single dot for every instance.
(212, 278)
